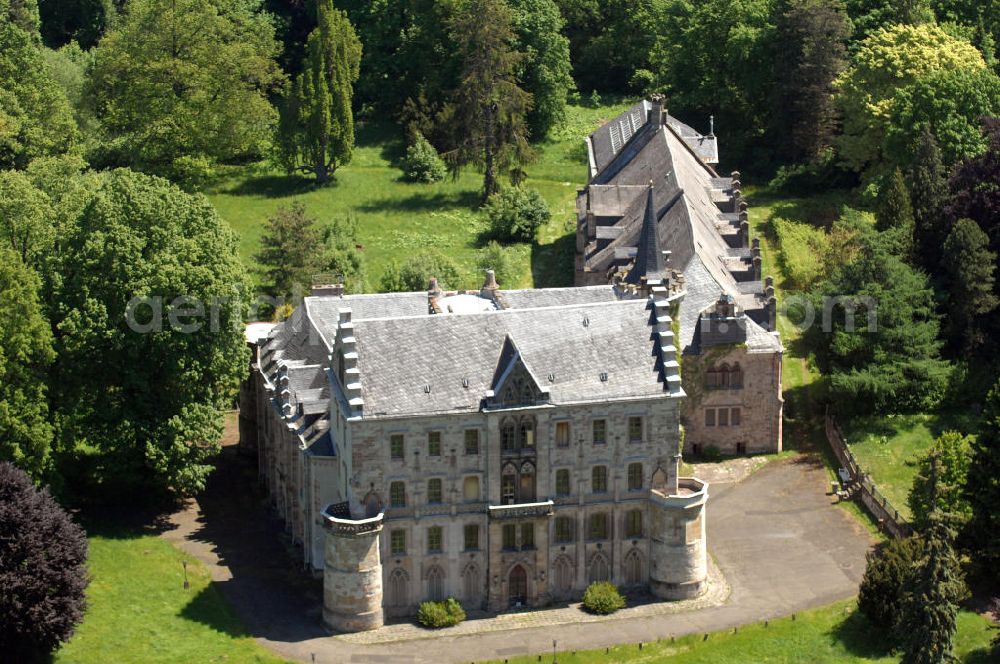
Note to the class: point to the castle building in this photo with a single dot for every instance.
(654, 208)
(504, 447)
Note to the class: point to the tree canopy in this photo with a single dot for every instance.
(182, 79)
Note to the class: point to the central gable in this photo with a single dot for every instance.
(514, 384)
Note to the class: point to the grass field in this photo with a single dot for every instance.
(139, 611)
(395, 218)
(834, 634)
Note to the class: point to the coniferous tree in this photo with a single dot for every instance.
(929, 197)
(287, 250)
(317, 125)
(968, 266)
(930, 606)
(887, 571)
(983, 487)
(940, 481)
(812, 36)
(894, 210)
(489, 109)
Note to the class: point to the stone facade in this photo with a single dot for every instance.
(655, 211)
(505, 454)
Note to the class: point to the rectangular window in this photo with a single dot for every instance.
(397, 494)
(509, 536)
(734, 417)
(434, 491)
(397, 542)
(562, 482)
(599, 479)
(508, 484)
(472, 441)
(470, 488)
(562, 434)
(635, 429)
(723, 417)
(396, 446)
(600, 432)
(434, 539)
(598, 526)
(434, 443)
(527, 536)
(710, 417)
(471, 537)
(564, 529)
(633, 523)
(634, 476)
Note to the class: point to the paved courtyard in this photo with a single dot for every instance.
(779, 543)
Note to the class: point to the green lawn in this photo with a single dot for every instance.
(395, 218)
(832, 634)
(139, 611)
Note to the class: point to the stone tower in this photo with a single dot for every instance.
(678, 559)
(352, 575)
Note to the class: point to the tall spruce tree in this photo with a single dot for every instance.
(930, 607)
(929, 198)
(968, 266)
(316, 133)
(894, 209)
(489, 109)
(983, 488)
(812, 37)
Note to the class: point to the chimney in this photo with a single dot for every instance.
(658, 110)
(433, 293)
(328, 284)
(490, 286)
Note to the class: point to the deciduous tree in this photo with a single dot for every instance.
(43, 572)
(317, 124)
(183, 79)
(545, 69)
(25, 356)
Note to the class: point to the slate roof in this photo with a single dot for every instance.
(686, 199)
(614, 135)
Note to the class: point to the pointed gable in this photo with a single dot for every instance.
(649, 263)
(514, 384)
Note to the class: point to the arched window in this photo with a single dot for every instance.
(470, 488)
(527, 433)
(659, 481)
(634, 568)
(736, 376)
(508, 436)
(435, 584)
(564, 574)
(372, 505)
(399, 584)
(724, 376)
(599, 569)
(508, 485)
(471, 584)
(599, 479)
(526, 492)
(712, 380)
(599, 526)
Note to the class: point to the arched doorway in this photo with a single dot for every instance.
(517, 586)
(633, 568)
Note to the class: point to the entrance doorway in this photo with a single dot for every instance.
(517, 586)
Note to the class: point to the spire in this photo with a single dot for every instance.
(649, 262)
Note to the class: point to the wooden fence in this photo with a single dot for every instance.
(888, 517)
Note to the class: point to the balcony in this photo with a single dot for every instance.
(691, 492)
(344, 526)
(521, 510)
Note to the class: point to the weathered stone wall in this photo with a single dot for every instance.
(352, 581)
(679, 560)
(759, 400)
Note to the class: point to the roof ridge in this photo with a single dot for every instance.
(501, 311)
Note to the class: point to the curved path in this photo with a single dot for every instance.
(781, 544)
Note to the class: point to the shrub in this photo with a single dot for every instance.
(191, 172)
(42, 569)
(602, 597)
(515, 214)
(499, 259)
(422, 162)
(711, 453)
(888, 571)
(440, 614)
(416, 271)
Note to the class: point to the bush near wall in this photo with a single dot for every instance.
(602, 597)
(440, 614)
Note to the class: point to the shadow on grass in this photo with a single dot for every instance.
(861, 638)
(209, 609)
(384, 135)
(552, 264)
(275, 186)
(423, 202)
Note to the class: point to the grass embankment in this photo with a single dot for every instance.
(835, 634)
(396, 218)
(139, 611)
